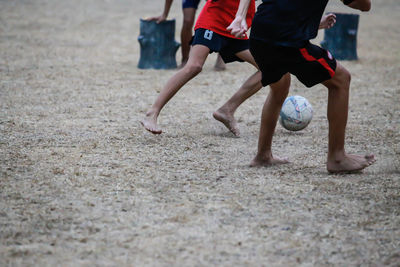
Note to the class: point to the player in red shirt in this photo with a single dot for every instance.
(211, 36)
(189, 8)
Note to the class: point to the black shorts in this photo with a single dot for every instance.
(190, 4)
(310, 64)
(225, 46)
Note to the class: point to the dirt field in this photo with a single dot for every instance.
(82, 183)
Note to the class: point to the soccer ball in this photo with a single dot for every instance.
(296, 113)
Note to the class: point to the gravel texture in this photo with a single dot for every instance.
(82, 183)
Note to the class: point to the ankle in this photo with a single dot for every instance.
(265, 156)
(226, 110)
(336, 156)
(152, 113)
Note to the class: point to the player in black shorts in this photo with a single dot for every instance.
(279, 42)
(206, 41)
(189, 8)
(225, 46)
(230, 49)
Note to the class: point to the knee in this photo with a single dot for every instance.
(341, 81)
(193, 69)
(285, 83)
(346, 77)
(187, 23)
(281, 94)
(280, 89)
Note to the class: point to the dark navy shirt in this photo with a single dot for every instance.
(287, 22)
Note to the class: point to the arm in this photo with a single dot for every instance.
(327, 21)
(238, 27)
(363, 5)
(165, 13)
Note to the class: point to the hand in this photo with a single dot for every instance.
(238, 27)
(327, 21)
(158, 19)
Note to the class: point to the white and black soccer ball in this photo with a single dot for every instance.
(296, 113)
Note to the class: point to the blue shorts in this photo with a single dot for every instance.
(190, 4)
(225, 46)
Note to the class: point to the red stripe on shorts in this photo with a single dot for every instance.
(321, 61)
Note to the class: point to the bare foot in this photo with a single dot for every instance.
(150, 123)
(350, 163)
(228, 120)
(268, 161)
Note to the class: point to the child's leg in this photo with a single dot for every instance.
(189, 15)
(338, 102)
(269, 118)
(252, 85)
(187, 32)
(198, 55)
(219, 64)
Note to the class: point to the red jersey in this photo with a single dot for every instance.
(217, 15)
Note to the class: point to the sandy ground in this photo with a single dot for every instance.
(82, 183)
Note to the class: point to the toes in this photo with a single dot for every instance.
(284, 160)
(236, 132)
(150, 128)
(229, 122)
(154, 131)
(370, 158)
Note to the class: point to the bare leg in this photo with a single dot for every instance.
(219, 64)
(338, 103)
(197, 57)
(269, 118)
(225, 113)
(187, 33)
